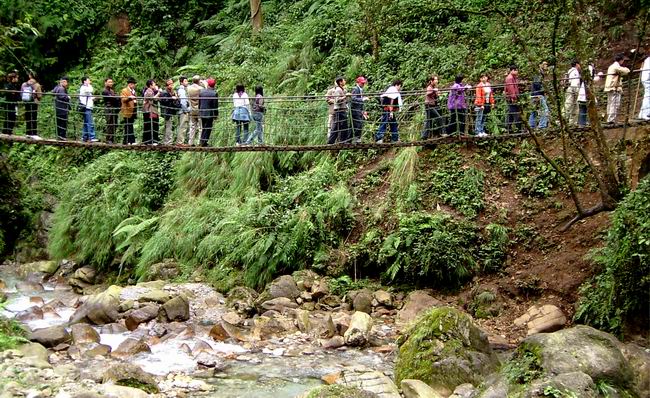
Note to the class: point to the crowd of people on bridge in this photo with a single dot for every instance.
(189, 110)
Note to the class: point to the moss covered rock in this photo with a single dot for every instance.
(445, 349)
(337, 391)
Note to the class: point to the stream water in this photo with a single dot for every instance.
(285, 368)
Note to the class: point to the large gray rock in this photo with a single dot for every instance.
(279, 304)
(176, 309)
(365, 379)
(141, 315)
(547, 318)
(242, 300)
(575, 382)
(639, 360)
(130, 347)
(445, 349)
(337, 391)
(362, 300)
(114, 391)
(581, 349)
(50, 336)
(283, 286)
(84, 334)
(166, 270)
(358, 333)
(416, 303)
(125, 372)
(417, 389)
(100, 309)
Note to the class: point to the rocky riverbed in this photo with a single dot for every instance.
(293, 339)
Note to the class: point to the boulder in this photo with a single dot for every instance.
(302, 321)
(210, 360)
(27, 286)
(155, 295)
(320, 289)
(30, 314)
(367, 379)
(130, 347)
(358, 333)
(236, 332)
(113, 328)
(35, 355)
(176, 309)
(84, 334)
(338, 391)
(115, 391)
(639, 360)
(383, 298)
(362, 300)
(463, 391)
(283, 286)
(580, 349)
(100, 309)
(242, 300)
(265, 328)
(86, 275)
(334, 342)
(417, 389)
(88, 351)
(50, 336)
(547, 318)
(417, 302)
(444, 349)
(279, 304)
(329, 301)
(577, 383)
(218, 333)
(166, 270)
(127, 373)
(141, 315)
(305, 279)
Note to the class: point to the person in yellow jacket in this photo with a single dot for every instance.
(614, 86)
(128, 111)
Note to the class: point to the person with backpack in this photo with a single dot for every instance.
(258, 116)
(10, 106)
(86, 105)
(208, 110)
(391, 102)
(357, 105)
(540, 113)
(169, 107)
(61, 108)
(433, 119)
(513, 118)
(129, 111)
(614, 86)
(457, 106)
(483, 103)
(572, 81)
(341, 128)
(30, 95)
(112, 105)
(241, 113)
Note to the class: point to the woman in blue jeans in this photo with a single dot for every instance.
(258, 116)
(241, 113)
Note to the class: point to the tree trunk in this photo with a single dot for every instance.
(256, 15)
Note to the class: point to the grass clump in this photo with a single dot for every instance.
(494, 250)
(11, 334)
(621, 291)
(431, 249)
(525, 365)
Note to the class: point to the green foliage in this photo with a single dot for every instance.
(622, 289)
(430, 249)
(343, 284)
(455, 183)
(11, 334)
(525, 365)
(494, 250)
(554, 392)
(12, 216)
(115, 187)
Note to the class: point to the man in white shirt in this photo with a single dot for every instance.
(644, 113)
(614, 86)
(86, 104)
(391, 102)
(185, 111)
(573, 88)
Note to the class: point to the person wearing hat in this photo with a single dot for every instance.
(208, 110)
(357, 109)
(128, 111)
(61, 107)
(614, 86)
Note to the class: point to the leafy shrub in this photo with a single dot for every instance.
(431, 249)
(104, 194)
(622, 289)
(11, 334)
(494, 250)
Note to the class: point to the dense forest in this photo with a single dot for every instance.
(413, 217)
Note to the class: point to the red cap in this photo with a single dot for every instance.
(211, 82)
(361, 80)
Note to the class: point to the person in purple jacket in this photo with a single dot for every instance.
(457, 106)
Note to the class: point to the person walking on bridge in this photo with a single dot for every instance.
(12, 97)
(31, 94)
(241, 113)
(193, 92)
(112, 104)
(644, 113)
(341, 128)
(150, 113)
(184, 119)
(357, 105)
(129, 111)
(539, 116)
(433, 119)
(573, 82)
(614, 86)
(391, 101)
(86, 105)
(209, 110)
(61, 108)
(483, 103)
(457, 106)
(169, 106)
(258, 115)
(513, 118)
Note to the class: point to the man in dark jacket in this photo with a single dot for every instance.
(61, 108)
(208, 110)
(112, 104)
(169, 106)
(357, 109)
(10, 107)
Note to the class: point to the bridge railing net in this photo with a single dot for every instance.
(301, 121)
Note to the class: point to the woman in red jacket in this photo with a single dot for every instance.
(483, 104)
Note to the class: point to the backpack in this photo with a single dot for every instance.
(27, 93)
